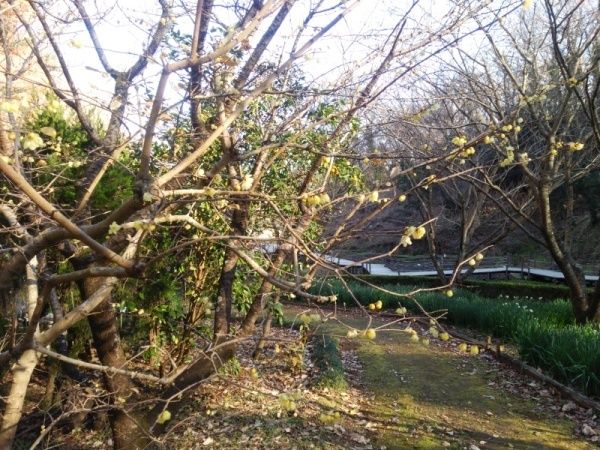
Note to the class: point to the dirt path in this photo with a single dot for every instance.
(435, 397)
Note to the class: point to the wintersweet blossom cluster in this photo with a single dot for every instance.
(412, 232)
(317, 199)
(459, 141)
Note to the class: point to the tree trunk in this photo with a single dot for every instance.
(595, 303)
(266, 331)
(584, 309)
(239, 223)
(22, 370)
(110, 352)
(21, 374)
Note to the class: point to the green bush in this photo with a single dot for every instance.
(485, 288)
(327, 360)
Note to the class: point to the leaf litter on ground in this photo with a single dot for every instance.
(393, 410)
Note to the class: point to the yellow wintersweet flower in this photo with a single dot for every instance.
(405, 240)
(467, 152)
(313, 200)
(459, 141)
(53, 106)
(114, 228)
(374, 196)
(11, 107)
(32, 141)
(418, 233)
(164, 417)
(575, 146)
(370, 333)
(247, 182)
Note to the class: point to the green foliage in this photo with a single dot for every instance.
(327, 360)
(465, 308)
(231, 368)
(115, 186)
(276, 309)
(73, 137)
(543, 331)
(570, 354)
(244, 287)
(485, 288)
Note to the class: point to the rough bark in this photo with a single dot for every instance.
(110, 352)
(224, 301)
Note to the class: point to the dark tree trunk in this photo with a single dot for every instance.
(110, 352)
(594, 302)
(224, 301)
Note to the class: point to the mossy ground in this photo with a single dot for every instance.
(429, 397)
